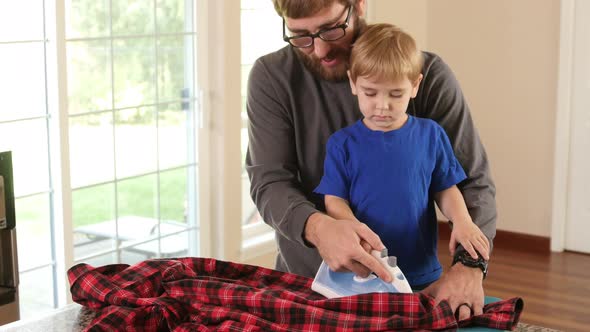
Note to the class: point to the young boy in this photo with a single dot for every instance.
(387, 169)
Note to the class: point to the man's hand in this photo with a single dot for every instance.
(460, 285)
(345, 245)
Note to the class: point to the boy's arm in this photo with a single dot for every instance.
(440, 98)
(338, 208)
(465, 232)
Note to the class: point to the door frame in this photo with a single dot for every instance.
(563, 114)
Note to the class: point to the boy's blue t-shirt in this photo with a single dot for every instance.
(389, 179)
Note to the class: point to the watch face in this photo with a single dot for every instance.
(465, 258)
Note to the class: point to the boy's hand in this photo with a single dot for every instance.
(472, 239)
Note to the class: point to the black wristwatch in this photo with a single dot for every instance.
(465, 258)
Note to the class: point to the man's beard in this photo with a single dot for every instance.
(337, 73)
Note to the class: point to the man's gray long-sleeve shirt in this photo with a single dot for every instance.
(292, 113)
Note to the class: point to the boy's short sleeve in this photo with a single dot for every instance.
(447, 171)
(335, 180)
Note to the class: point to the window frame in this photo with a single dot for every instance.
(57, 120)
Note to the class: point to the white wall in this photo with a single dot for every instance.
(505, 55)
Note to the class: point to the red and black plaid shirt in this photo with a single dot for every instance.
(200, 294)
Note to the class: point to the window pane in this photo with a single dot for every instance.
(136, 141)
(177, 135)
(172, 245)
(138, 197)
(89, 61)
(129, 159)
(92, 208)
(91, 149)
(23, 80)
(132, 17)
(36, 292)
(28, 142)
(173, 194)
(21, 20)
(135, 72)
(171, 14)
(87, 18)
(33, 227)
(175, 69)
(93, 204)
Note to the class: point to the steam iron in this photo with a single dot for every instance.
(339, 284)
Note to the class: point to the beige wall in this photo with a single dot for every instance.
(410, 15)
(505, 55)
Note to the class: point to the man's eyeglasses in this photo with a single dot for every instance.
(330, 34)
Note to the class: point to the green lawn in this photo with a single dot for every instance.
(136, 196)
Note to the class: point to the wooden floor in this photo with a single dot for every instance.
(555, 287)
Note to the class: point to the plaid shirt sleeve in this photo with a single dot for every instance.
(202, 294)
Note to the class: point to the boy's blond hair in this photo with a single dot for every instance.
(384, 51)
(304, 8)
